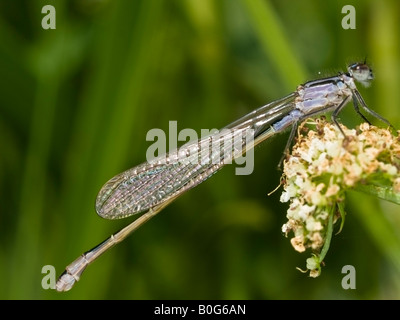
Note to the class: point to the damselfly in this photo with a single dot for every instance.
(151, 186)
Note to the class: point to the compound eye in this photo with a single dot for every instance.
(361, 72)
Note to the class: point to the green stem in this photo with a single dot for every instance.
(328, 238)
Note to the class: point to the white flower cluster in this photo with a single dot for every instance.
(323, 165)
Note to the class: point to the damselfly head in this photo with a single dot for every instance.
(361, 72)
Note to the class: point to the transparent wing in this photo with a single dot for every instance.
(149, 184)
(152, 183)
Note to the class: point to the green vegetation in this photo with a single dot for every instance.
(76, 104)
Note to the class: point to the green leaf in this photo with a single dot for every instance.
(380, 191)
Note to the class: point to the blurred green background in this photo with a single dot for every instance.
(76, 104)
